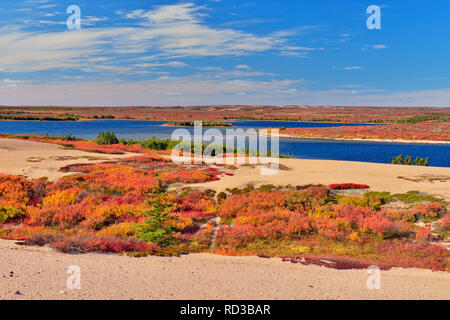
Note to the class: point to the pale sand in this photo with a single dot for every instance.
(34, 159)
(40, 273)
(380, 177)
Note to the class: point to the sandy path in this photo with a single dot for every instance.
(34, 159)
(40, 273)
(380, 177)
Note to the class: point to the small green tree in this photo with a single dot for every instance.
(106, 138)
(157, 229)
(408, 160)
(398, 159)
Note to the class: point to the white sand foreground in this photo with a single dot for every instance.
(40, 273)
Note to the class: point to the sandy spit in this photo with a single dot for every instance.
(283, 135)
(40, 273)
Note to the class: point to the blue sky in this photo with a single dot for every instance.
(140, 52)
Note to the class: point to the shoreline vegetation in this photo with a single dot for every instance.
(107, 142)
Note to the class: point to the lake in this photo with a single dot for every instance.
(380, 152)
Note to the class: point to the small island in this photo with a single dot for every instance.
(192, 123)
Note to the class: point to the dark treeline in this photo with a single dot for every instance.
(408, 161)
(66, 117)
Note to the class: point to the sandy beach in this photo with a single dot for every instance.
(40, 272)
(36, 159)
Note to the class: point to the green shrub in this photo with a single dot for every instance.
(157, 229)
(10, 213)
(106, 138)
(221, 196)
(408, 160)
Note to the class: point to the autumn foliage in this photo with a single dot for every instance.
(103, 208)
(313, 221)
(99, 206)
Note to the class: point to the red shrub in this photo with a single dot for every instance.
(430, 210)
(424, 234)
(346, 186)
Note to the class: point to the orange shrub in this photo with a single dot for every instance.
(430, 210)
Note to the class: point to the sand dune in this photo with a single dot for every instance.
(40, 273)
(36, 159)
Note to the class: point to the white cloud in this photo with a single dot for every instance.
(8, 83)
(351, 68)
(90, 20)
(168, 14)
(32, 51)
(374, 47)
(242, 67)
(173, 64)
(166, 32)
(194, 91)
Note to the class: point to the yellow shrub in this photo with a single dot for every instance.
(61, 198)
(121, 230)
(354, 236)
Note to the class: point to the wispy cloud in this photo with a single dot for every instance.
(374, 47)
(165, 32)
(351, 68)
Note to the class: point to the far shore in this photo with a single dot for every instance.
(291, 136)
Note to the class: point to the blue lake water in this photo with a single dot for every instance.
(380, 152)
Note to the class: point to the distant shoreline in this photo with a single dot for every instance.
(231, 120)
(281, 135)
